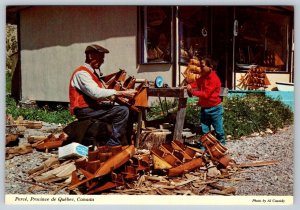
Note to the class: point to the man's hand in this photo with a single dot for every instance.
(126, 93)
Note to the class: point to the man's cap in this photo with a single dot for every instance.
(95, 48)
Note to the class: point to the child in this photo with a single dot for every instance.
(207, 87)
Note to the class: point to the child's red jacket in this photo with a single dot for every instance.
(208, 89)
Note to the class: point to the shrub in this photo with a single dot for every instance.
(11, 44)
(254, 113)
(243, 115)
(159, 109)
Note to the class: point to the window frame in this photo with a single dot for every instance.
(143, 37)
(286, 46)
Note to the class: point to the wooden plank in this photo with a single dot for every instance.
(168, 92)
(257, 163)
(218, 192)
(138, 132)
(67, 171)
(33, 183)
(59, 188)
(10, 138)
(156, 178)
(34, 139)
(61, 171)
(180, 119)
(48, 163)
(186, 182)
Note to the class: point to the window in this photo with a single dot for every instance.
(156, 35)
(262, 39)
(194, 32)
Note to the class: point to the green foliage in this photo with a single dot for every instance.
(243, 115)
(254, 113)
(11, 45)
(192, 115)
(40, 114)
(159, 109)
(8, 77)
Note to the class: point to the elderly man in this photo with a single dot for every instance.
(89, 99)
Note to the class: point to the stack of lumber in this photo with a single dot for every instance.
(15, 128)
(51, 175)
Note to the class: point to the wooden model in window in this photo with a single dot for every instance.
(157, 34)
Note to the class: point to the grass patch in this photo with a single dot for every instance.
(59, 115)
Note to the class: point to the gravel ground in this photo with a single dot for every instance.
(265, 180)
(17, 167)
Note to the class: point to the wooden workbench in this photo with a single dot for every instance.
(175, 92)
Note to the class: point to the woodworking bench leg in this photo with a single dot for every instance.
(180, 119)
(138, 129)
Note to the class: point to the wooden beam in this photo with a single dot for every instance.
(180, 119)
(168, 92)
(257, 163)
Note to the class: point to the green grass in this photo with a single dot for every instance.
(61, 115)
(57, 115)
(8, 78)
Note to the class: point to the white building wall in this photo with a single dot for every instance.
(53, 40)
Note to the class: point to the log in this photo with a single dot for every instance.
(152, 139)
(188, 153)
(54, 166)
(51, 142)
